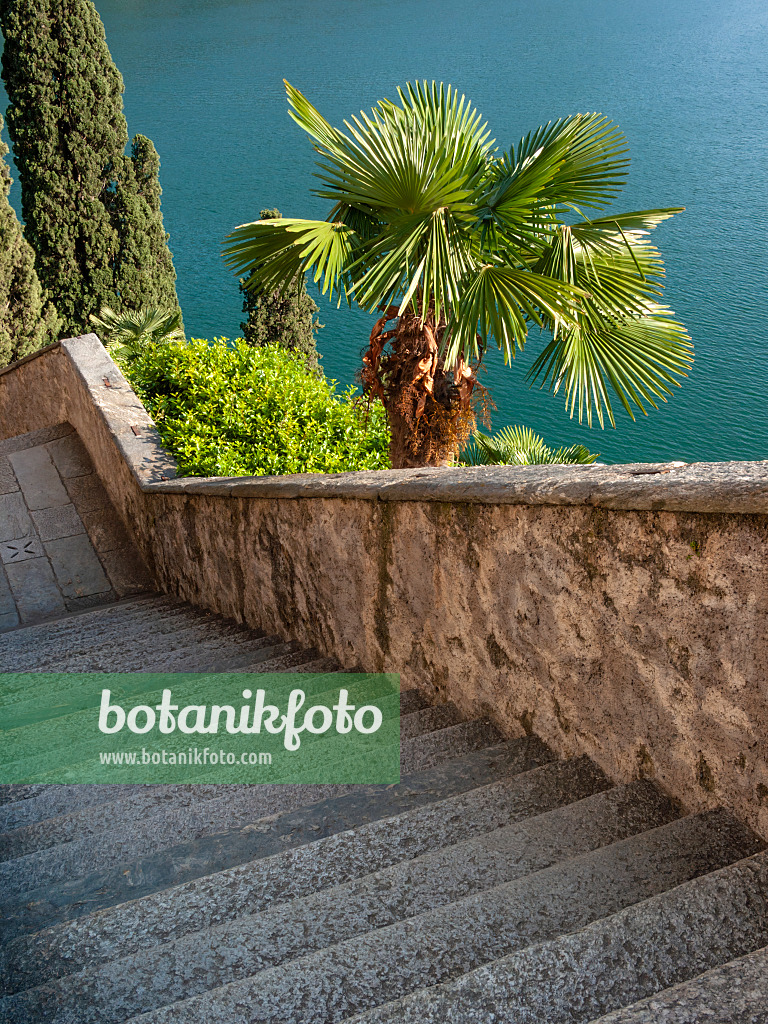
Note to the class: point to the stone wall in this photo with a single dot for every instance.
(617, 611)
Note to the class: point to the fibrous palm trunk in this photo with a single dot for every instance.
(430, 409)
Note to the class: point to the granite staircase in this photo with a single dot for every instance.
(494, 883)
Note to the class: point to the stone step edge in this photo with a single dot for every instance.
(526, 753)
(581, 781)
(731, 992)
(598, 821)
(412, 719)
(541, 961)
(84, 613)
(420, 749)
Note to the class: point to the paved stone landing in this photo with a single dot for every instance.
(62, 545)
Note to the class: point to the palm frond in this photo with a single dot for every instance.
(500, 302)
(128, 332)
(520, 446)
(273, 252)
(623, 338)
(427, 215)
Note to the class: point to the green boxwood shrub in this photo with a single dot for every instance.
(226, 409)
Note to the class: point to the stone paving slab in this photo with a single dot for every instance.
(9, 617)
(105, 530)
(38, 478)
(21, 550)
(87, 493)
(55, 523)
(15, 521)
(78, 570)
(36, 437)
(70, 457)
(8, 480)
(62, 546)
(34, 589)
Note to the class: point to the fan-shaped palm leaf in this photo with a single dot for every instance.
(429, 219)
(520, 446)
(130, 331)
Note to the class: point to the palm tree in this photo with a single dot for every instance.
(455, 244)
(520, 446)
(128, 333)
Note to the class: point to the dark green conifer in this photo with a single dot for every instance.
(144, 268)
(26, 321)
(288, 319)
(81, 197)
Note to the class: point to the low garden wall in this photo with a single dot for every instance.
(617, 611)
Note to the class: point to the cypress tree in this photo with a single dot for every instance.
(288, 319)
(144, 267)
(26, 321)
(81, 198)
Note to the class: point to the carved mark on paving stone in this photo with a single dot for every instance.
(20, 550)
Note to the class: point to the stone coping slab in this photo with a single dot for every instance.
(699, 487)
(714, 487)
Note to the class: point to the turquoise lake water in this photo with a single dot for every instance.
(687, 81)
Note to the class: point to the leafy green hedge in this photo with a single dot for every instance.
(231, 410)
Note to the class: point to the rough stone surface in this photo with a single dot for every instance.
(634, 637)
(232, 802)
(617, 611)
(138, 847)
(447, 805)
(736, 993)
(376, 967)
(55, 523)
(290, 828)
(243, 947)
(642, 950)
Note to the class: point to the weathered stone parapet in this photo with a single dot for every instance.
(701, 487)
(619, 611)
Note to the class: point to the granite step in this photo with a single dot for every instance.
(635, 954)
(137, 839)
(286, 831)
(181, 650)
(391, 962)
(71, 624)
(736, 993)
(230, 804)
(23, 649)
(335, 842)
(238, 949)
(23, 806)
(24, 696)
(216, 656)
(147, 636)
